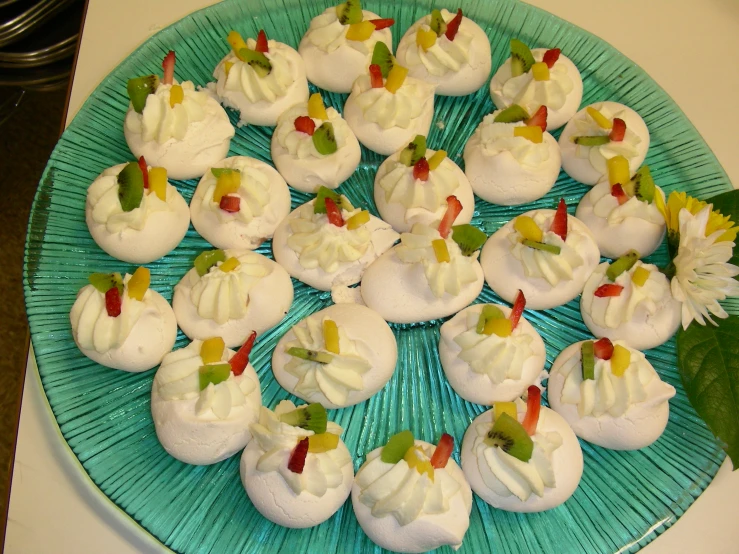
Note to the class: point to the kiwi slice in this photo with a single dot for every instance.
(624, 263)
(598, 140)
(642, 185)
(324, 139)
(414, 151)
(512, 114)
(488, 312)
(587, 352)
(396, 447)
(103, 282)
(319, 206)
(218, 171)
(437, 24)
(521, 58)
(215, 373)
(258, 61)
(551, 248)
(468, 238)
(349, 12)
(310, 355)
(208, 259)
(139, 88)
(130, 187)
(510, 436)
(381, 56)
(311, 417)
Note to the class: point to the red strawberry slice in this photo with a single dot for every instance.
(454, 207)
(168, 67)
(518, 306)
(296, 463)
(443, 451)
(603, 348)
(231, 204)
(533, 407)
(305, 124)
(617, 191)
(261, 45)
(113, 302)
(559, 223)
(609, 289)
(241, 359)
(376, 76)
(453, 26)
(382, 23)
(618, 131)
(539, 119)
(551, 57)
(334, 213)
(144, 171)
(421, 169)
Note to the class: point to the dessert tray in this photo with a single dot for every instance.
(624, 499)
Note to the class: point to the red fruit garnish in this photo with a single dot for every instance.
(144, 171)
(551, 57)
(305, 124)
(168, 67)
(241, 359)
(376, 76)
(518, 306)
(618, 192)
(539, 119)
(231, 204)
(443, 451)
(421, 169)
(382, 23)
(603, 348)
(559, 223)
(334, 213)
(607, 290)
(454, 207)
(618, 131)
(261, 45)
(533, 406)
(296, 463)
(453, 26)
(113, 302)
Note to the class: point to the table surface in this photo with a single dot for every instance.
(53, 504)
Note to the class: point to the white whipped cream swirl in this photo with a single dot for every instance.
(606, 206)
(494, 138)
(253, 193)
(445, 56)
(381, 106)
(327, 34)
(300, 145)
(402, 188)
(242, 77)
(526, 91)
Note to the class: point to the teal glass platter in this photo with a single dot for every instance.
(625, 499)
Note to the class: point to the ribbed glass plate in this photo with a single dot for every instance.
(625, 498)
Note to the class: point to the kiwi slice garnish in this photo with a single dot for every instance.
(587, 352)
(349, 12)
(310, 355)
(642, 185)
(396, 447)
(512, 114)
(488, 312)
(208, 259)
(218, 171)
(510, 436)
(437, 24)
(381, 56)
(258, 61)
(319, 206)
(521, 58)
(324, 139)
(551, 248)
(311, 417)
(103, 282)
(139, 88)
(130, 187)
(624, 263)
(414, 151)
(215, 373)
(598, 140)
(468, 238)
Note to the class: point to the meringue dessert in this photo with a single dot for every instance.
(410, 496)
(546, 254)
(631, 301)
(432, 273)
(609, 394)
(510, 159)
(338, 44)
(174, 126)
(327, 242)
(622, 212)
(490, 353)
(260, 78)
(119, 322)
(339, 356)
(239, 203)
(203, 399)
(522, 457)
(313, 146)
(229, 294)
(447, 50)
(386, 107)
(598, 133)
(535, 78)
(134, 214)
(412, 186)
(296, 470)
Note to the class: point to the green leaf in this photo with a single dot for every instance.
(728, 204)
(708, 361)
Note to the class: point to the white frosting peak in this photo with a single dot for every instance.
(388, 109)
(445, 56)
(242, 77)
(327, 34)
(253, 193)
(495, 137)
(300, 145)
(606, 206)
(530, 93)
(401, 187)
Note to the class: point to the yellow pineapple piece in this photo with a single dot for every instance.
(331, 336)
(360, 31)
(211, 350)
(540, 71)
(229, 265)
(236, 42)
(227, 67)
(158, 182)
(602, 121)
(500, 408)
(139, 283)
(420, 464)
(227, 183)
(620, 360)
(435, 160)
(534, 134)
(316, 109)
(501, 327)
(176, 95)
(357, 220)
(618, 170)
(322, 442)
(441, 250)
(528, 228)
(396, 78)
(425, 39)
(640, 276)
